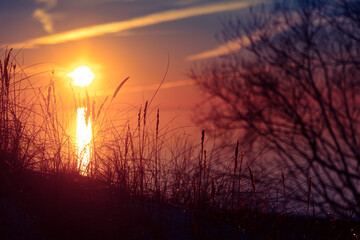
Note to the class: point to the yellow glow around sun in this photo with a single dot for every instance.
(83, 140)
(82, 76)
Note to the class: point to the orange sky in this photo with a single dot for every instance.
(118, 38)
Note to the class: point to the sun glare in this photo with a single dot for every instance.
(83, 140)
(82, 76)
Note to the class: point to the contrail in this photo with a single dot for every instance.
(115, 27)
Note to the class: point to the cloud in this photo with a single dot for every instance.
(43, 16)
(115, 27)
(244, 41)
(226, 48)
(223, 49)
(45, 19)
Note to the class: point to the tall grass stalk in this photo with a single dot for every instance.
(137, 156)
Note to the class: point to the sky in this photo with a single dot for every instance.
(121, 38)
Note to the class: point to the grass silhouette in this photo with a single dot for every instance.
(143, 181)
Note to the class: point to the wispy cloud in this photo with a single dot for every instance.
(42, 15)
(244, 41)
(223, 49)
(226, 48)
(115, 27)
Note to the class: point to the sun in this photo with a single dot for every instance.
(82, 76)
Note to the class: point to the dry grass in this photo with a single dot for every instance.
(142, 160)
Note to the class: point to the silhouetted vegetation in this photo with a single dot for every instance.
(147, 181)
(293, 86)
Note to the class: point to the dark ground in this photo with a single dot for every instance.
(70, 206)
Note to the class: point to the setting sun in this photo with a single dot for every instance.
(82, 76)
